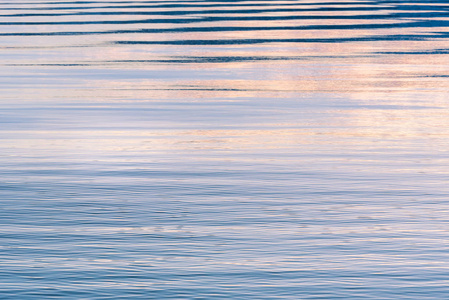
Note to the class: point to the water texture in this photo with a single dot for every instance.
(224, 149)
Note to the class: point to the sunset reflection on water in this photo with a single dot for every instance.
(224, 150)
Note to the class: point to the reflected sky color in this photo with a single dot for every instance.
(224, 149)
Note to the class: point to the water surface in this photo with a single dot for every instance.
(224, 149)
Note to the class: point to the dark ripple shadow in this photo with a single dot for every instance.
(179, 4)
(408, 24)
(187, 60)
(246, 18)
(184, 60)
(410, 37)
(204, 4)
(199, 12)
(424, 52)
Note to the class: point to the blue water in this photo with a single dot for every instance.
(224, 150)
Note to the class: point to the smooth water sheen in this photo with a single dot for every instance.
(224, 149)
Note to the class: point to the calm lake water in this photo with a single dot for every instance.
(224, 149)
